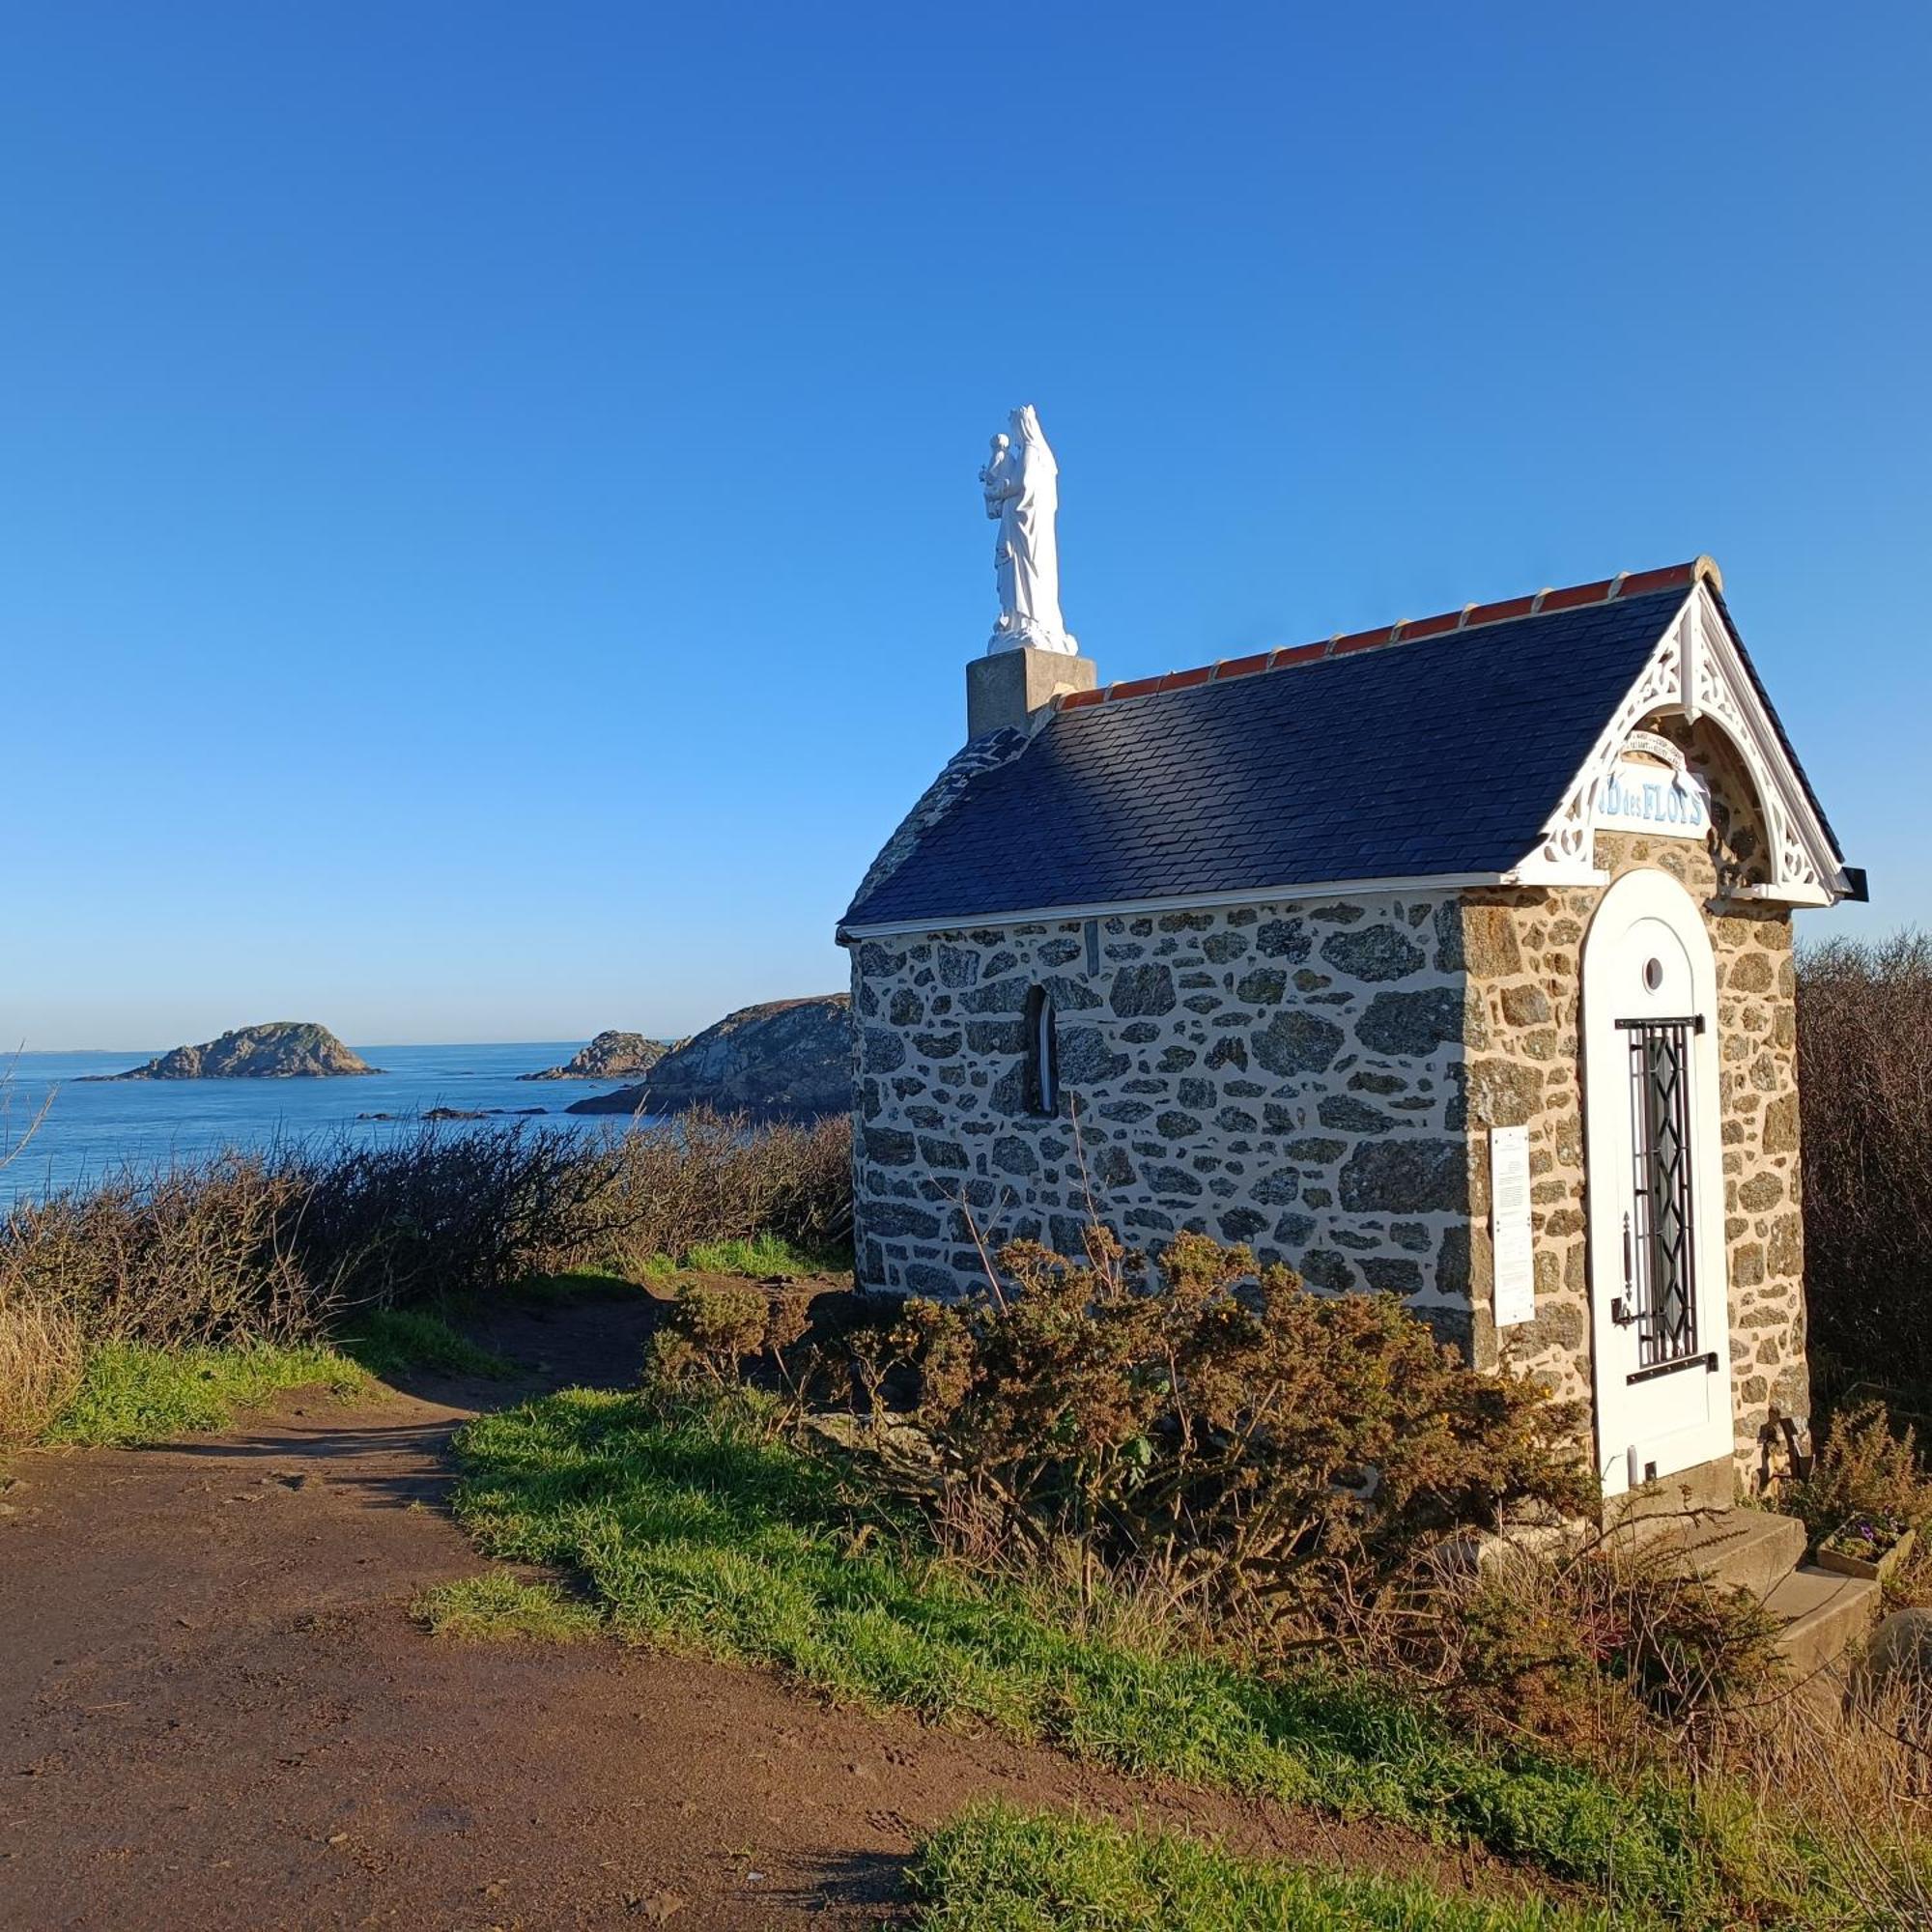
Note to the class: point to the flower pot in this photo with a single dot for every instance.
(1878, 1566)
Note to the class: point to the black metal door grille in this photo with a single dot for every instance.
(1659, 1247)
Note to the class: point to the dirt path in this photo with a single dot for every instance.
(214, 1711)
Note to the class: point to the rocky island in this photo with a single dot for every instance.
(281, 1050)
(786, 1060)
(611, 1056)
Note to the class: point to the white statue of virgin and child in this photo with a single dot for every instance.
(1022, 485)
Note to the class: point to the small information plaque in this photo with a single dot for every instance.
(1509, 1226)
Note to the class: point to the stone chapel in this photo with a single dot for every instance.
(1450, 960)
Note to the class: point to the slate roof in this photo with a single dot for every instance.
(1437, 748)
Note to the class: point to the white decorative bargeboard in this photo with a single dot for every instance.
(1697, 671)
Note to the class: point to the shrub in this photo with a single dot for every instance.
(285, 1246)
(188, 1255)
(1579, 1648)
(1864, 1041)
(703, 1178)
(1869, 1467)
(712, 1332)
(1253, 1446)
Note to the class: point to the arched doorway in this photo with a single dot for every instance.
(1658, 1288)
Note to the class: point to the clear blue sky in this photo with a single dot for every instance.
(488, 531)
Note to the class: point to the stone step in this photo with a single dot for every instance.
(1824, 1614)
(1732, 1549)
(1710, 1486)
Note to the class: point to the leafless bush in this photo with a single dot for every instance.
(667, 1187)
(198, 1253)
(1864, 1049)
(275, 1246)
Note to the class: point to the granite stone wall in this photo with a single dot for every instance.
(1283, 1076)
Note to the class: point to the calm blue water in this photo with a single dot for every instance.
(94, 1130)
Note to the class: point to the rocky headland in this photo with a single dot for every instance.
(281, 1050)
(611, 1056)
(786, 1060)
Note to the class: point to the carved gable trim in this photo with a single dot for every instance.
(1697, 671)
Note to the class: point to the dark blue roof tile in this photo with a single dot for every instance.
(1442, 755)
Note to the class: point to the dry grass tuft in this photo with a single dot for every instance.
(40, 1358)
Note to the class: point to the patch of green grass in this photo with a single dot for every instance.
(762, 1254)
(581, 1284)
(130, 1392)
(997, 1869)
(498, 1607)
(699, 1530)
(390, 1342)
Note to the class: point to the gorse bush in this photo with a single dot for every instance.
(1592, 1647)
(713, 1331)
(1243, 1445)
(283, 1246)
(1864, 1067)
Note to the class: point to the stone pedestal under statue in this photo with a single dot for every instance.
(1003, 689)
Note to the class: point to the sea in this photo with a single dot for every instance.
(92, 1132)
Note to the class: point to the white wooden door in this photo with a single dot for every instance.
(1658, 1293)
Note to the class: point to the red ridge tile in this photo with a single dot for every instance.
(1644, 582)
(1296, 654)
(1362, 640)
(1241, 667)
(1498, 613)
(1578, 594)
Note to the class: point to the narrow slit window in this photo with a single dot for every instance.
(1042, 1049)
